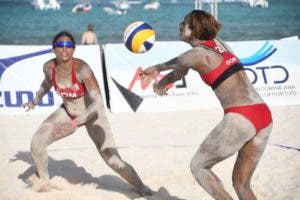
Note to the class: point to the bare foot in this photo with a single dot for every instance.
(145, 192)
(40, 185)
(161, 194)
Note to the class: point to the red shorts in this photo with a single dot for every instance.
(258, 114)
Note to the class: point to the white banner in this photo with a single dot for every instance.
(272, 66)
(21, 73)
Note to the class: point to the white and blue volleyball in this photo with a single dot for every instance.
(139, 37)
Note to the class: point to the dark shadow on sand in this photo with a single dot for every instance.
(68, 170)
(162, 194)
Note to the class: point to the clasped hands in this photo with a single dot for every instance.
(148, 75)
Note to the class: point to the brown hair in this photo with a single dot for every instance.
(90, 27)
(203, 25)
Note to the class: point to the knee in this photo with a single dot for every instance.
(196, 167)
(193, 167)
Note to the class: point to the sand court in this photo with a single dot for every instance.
(157, 146)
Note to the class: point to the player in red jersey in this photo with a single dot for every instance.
(74, 81)
(247, 120)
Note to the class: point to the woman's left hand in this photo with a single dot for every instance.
(160, 90)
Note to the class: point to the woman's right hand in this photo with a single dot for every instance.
(28, 106)
(149, 74)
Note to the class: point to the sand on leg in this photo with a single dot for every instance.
(224, 140)
(246, 162)
(52, 129)
(100, 132)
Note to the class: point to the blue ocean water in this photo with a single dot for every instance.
(21, 24)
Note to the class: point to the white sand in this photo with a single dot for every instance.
(158, 145)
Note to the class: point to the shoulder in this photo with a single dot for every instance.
(49, 63)
(79, 63)
(197, 51)
(81, 66)
(48, 66)
(196, 56)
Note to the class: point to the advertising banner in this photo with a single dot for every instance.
(273, 68)
(21, 74)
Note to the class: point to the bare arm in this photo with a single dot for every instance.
(44, 89)
(179, 65)
(94, 93)
(96, 39)
(175, 75)
(168, 65)
(83, 38)
(154, 70)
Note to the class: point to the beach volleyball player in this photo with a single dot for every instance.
(74, 81)
(247, 121)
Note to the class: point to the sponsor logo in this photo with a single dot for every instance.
(7, 62)
(231, 61)
(256, 74)
(16, 99)
(70, 93)
(262, 54)
(262, 74)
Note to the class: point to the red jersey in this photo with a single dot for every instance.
(229, 61)
(76, 90)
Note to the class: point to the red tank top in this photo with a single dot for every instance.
(74, 91)
(228, 60)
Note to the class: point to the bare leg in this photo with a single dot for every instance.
(50, 130)
(246, 163)
(100, 132)
(224, 140)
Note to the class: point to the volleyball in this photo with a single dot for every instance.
(139, 37)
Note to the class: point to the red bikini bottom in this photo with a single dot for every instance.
(258, 114)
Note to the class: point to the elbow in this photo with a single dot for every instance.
(179, 75)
